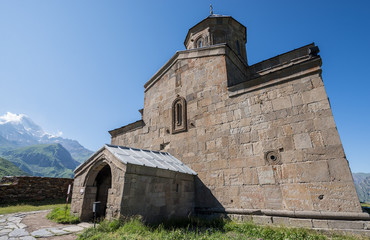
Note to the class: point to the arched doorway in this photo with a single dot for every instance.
(97, 185)
(103, 182)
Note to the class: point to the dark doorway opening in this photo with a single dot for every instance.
(103, 182)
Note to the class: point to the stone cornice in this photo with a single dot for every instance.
(296, 69)
(127, 128)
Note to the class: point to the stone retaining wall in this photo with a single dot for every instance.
(33, 188)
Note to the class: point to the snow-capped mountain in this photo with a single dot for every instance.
(18, 130)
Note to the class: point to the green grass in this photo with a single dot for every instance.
(30, 206)
(365, 205)
(200, 229)
(62, 215)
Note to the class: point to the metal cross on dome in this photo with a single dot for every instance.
(210, 6)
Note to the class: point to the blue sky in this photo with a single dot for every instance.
(79, 66)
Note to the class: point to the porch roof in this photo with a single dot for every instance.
(148, 158)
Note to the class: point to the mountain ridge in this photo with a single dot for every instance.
(8, 168)
(18, 130)
(46, 160)
(362, 184)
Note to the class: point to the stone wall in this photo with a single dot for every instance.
(157, 194)
(259, 137)
(14, 189)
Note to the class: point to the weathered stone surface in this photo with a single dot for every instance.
(273, 197)
(318, 223)
(296, 197)
(5, 231)
(367, 225)
(73, 229)
(341, 224)
(339, 170)
(297, 222)
(21, 225)
(18, 233)
(33, 188)
(85, 225)
(265, 175)
(42, 233)
(27, 238)
(264, 220)
(57, 231)
(302, 141)
(281, 221)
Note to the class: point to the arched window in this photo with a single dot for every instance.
(179, 123)
(199, 43)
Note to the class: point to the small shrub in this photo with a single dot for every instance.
(60, 215)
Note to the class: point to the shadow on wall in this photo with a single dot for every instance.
(204, 197)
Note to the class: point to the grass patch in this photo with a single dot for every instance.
(7, 208)
(62, 215)
(199, 229)
(365, 204)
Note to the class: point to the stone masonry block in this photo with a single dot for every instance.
(250, 175)
(367, 225)
(265, 175)
(263, 220)
(298, 222)
(315, 95)
(281, 221)
(339, 170)
(342, 224)
(281, 103)
(296, 197)
(316, 139)
(273, 196)
(251, 196)
(313, 171)
(331, 137)
(317, 81)
(240, 218)
(324, 123)
(296, 99)
(319, 223)
(302, 141)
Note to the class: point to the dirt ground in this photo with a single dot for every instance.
(38, 220)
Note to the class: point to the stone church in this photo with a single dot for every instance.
(220, 136)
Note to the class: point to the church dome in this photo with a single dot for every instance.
(218, 29)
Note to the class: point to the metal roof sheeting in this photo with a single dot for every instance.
(154, 159)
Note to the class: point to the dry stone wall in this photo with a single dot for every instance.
(13, 189)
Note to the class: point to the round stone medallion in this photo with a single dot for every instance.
(273, 157)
